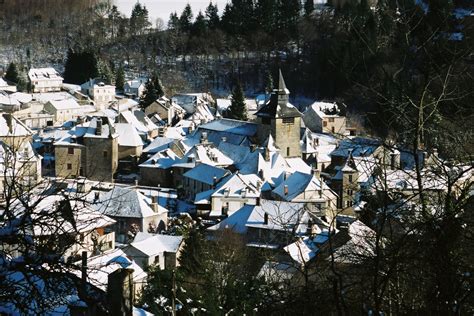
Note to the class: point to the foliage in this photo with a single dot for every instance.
(12, 73)
(238, 108)
(214, 276)
(120, 78)
(80, 66)
(153, 91)
(139, 20)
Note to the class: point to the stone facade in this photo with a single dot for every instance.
(282, 120)
(101, 158)
(69, 160)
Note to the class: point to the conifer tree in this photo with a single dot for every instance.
(308, 7)
(80, 67)
(212, 16)
(199, 26)
(186, 18)
(12, 73)
(269, 83)
(173, 22)
(238, 109)
(153, 91)
(120, 79)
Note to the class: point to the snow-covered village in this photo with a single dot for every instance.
(142, 173)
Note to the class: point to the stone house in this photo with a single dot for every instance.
(66, 110)
(169, 111)
(159, 250)
(134, 88)
(129, 142)
(202, 178)
(230, 195)
(90, 150)
(323, 117)
(45, 80)
(101, 93)
(133, 211)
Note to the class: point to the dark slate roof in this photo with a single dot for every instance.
(278, 105)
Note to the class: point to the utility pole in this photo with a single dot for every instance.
(173, 293)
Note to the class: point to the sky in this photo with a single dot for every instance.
(163, 8)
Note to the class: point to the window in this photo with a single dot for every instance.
(70, 151)
(331, 120)
(288, 120)
(104, 153)
(333, 130)
(348, 203)
(350, 178)
(288, 151)
(69, 166)
(349, 192)
(325, 123)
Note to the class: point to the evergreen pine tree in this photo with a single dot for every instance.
(80, 67)
(212, 16)
(186, 18)
(12, 73)
(153, 91)
(120, 79)
(269, 83)
(308, 7)
(199, 26)
(173, 22)
(238, 109)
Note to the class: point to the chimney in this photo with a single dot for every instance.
(98, 130)
(309, 228)
(253, 147)
(84, 273)
(393, 158)
(267, 154)
(204, 138)
(8, 119)
(315, 172)
(120, 292)
(223, 139)
(257, 201)
(260, 174)
(265, 218)
(285, 189)
(214, 182)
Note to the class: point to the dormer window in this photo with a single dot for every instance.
(288, 120)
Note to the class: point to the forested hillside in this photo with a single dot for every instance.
(367, 57)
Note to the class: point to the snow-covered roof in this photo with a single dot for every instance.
(99, 267)
(205, 173)
(156, 244)
(283, 216)
(357, 146)
(22, 97)
(127, 202)
(360, 246)
(297, 183)
(43, 74)
(231, 126)
(364, 166)
(16, 128)
(158, 144)
(83, 217)
(106, 126)
(139, 120)
(65, 104)
(52, 96)
(128, 135)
